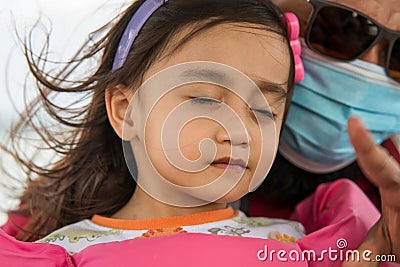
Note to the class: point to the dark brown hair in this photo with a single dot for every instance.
(90, 176)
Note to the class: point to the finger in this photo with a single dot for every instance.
(383, 170)
(374, 160)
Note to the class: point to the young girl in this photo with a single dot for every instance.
(179, 84)
(196, 91)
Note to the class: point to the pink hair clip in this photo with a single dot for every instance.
(293, 28)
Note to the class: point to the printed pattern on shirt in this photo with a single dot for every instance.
(162, 232)
(74, 235)
(78, 236)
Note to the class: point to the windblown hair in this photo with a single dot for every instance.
(91, 176)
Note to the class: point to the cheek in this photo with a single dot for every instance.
(153, 136)
(256, 142)
(193, 138)
(156, 126)
(266, 137)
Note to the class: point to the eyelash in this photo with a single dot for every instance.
(266, 113)
(204, 100)
(212, 101)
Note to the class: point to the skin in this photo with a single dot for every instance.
(255, 52)
(378, 166)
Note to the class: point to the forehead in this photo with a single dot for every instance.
(386, 12)
(256, 52)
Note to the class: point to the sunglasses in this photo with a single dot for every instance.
(343, 33)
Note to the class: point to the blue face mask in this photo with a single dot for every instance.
(315, 135)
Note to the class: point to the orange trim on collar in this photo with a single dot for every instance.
(168, 222)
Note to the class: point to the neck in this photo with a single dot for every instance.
(142, 207)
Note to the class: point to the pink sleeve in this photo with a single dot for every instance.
(189, 249)
(337, 218)
(11, 227)
(14, 253)
(333, 204)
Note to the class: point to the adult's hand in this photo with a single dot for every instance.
(384, 172)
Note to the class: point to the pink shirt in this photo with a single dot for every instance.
(337, 217)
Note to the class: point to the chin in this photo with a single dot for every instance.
(232, 196)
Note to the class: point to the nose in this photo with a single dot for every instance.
(377, 53)
(236, 134)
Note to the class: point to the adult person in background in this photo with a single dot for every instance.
(351, 55)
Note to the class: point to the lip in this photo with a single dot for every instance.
(230, 164)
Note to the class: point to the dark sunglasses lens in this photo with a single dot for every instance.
(394, 62)
(341, 33)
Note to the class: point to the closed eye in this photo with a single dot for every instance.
(204, 100)
(265, 113)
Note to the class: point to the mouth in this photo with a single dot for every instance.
(229, 164)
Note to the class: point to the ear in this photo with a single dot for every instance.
(117, 100)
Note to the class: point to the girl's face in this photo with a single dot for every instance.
(261, 55)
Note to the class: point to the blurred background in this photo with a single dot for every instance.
(69, 22)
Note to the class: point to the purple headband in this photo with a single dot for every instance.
(135, 24)
(150, 6)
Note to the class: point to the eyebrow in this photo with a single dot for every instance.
(215, 76)
(270, 87)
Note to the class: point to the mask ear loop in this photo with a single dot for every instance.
(293, 29)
